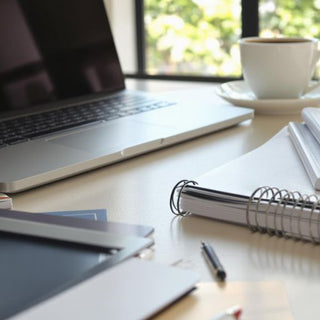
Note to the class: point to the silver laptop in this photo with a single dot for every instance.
(64, 108)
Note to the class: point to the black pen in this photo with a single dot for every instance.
(214, 261)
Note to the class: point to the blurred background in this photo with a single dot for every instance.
(198, 39)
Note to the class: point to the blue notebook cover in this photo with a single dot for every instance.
(92, 214)
(101, 215)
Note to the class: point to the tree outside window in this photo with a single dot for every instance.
(200, 37)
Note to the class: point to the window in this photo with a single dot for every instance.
(198, 38)
(192, 37)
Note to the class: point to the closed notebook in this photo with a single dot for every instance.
(67, 228)
(308, 149)
(267, 189)
(311, 116)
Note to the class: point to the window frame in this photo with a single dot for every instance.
(250, 28)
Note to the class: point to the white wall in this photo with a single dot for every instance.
(122, 20)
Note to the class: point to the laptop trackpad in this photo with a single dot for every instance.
(111, 137)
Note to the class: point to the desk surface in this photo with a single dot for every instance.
(138, 190)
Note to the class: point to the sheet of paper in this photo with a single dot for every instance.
(276, 164)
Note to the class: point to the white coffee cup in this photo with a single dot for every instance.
(279, 68)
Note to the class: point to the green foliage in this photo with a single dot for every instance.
(298, 18)
(199, 37)
(192, 37)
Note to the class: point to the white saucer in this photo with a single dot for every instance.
(238, 93)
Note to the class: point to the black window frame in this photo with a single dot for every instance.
(249, 25)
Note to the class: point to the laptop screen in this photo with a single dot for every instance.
(53, 50)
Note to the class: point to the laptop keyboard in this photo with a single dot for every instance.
(29, 127)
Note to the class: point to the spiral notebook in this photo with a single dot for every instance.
(267, 189)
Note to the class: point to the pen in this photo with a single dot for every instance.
(213, 259)
(232, 313)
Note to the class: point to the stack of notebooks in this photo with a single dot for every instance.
(78, 265)
(268, 189)
(306, 139)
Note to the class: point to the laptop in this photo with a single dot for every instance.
(64, 108)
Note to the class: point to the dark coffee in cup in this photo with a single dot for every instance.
(278, 40)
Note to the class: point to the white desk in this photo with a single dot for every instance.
(138, 190)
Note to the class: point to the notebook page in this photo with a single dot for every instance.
(275, 163)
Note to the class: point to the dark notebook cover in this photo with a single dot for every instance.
(111, 227)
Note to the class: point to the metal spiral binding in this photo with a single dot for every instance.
(280, 199)
(276, 205)
(256, 197)
(315, 205)
(176, 195)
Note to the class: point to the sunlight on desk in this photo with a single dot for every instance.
(258, 300)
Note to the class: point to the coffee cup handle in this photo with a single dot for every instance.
(313, 65)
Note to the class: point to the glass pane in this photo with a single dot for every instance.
(193, 37)
(299, 18)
